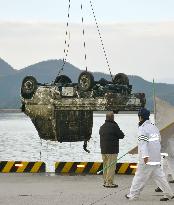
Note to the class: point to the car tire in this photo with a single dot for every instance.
(29, 86)
(62, 79)
(86, 81)
(121, 79)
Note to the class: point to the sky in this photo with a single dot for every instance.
(106, 10)
(138, 34)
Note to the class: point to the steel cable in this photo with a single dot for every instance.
(100, 37)
(83, 33)
(67, 40)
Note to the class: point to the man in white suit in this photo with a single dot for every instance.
(149, 149)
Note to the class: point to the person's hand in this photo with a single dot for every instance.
(146, 160)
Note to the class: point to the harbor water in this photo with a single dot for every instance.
(19, 141)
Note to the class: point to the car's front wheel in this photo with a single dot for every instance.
(29, 86)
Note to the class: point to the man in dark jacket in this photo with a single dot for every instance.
(110, 134)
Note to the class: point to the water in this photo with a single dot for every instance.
(19, 141)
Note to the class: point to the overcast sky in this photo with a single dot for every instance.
(138, 34)
(106, 10)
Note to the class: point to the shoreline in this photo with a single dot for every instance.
(95, 112)
(10, 110)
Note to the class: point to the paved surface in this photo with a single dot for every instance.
(46, 189)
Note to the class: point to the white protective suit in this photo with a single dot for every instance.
(149, 146)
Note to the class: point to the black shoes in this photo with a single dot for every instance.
(127, 196)
(172, 181)
(158, 190)
(166, 199)
(111, 186)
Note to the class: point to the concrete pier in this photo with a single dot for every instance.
(51, 189)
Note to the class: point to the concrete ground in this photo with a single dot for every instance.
(50, 189)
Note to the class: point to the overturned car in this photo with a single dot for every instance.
(63, 111)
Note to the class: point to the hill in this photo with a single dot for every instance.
(46, 72)
(6, 69)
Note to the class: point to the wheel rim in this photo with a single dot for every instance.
(28, 86)
(84, 82)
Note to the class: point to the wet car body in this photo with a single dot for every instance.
(63, 111)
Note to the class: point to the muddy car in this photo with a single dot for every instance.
(63, 111)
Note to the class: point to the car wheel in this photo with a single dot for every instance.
(29, 86)
(62, 79)
(86, 81)
(121, 79)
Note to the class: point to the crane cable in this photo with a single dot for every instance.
(101, 39)
(67, 39)
(84, 42)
